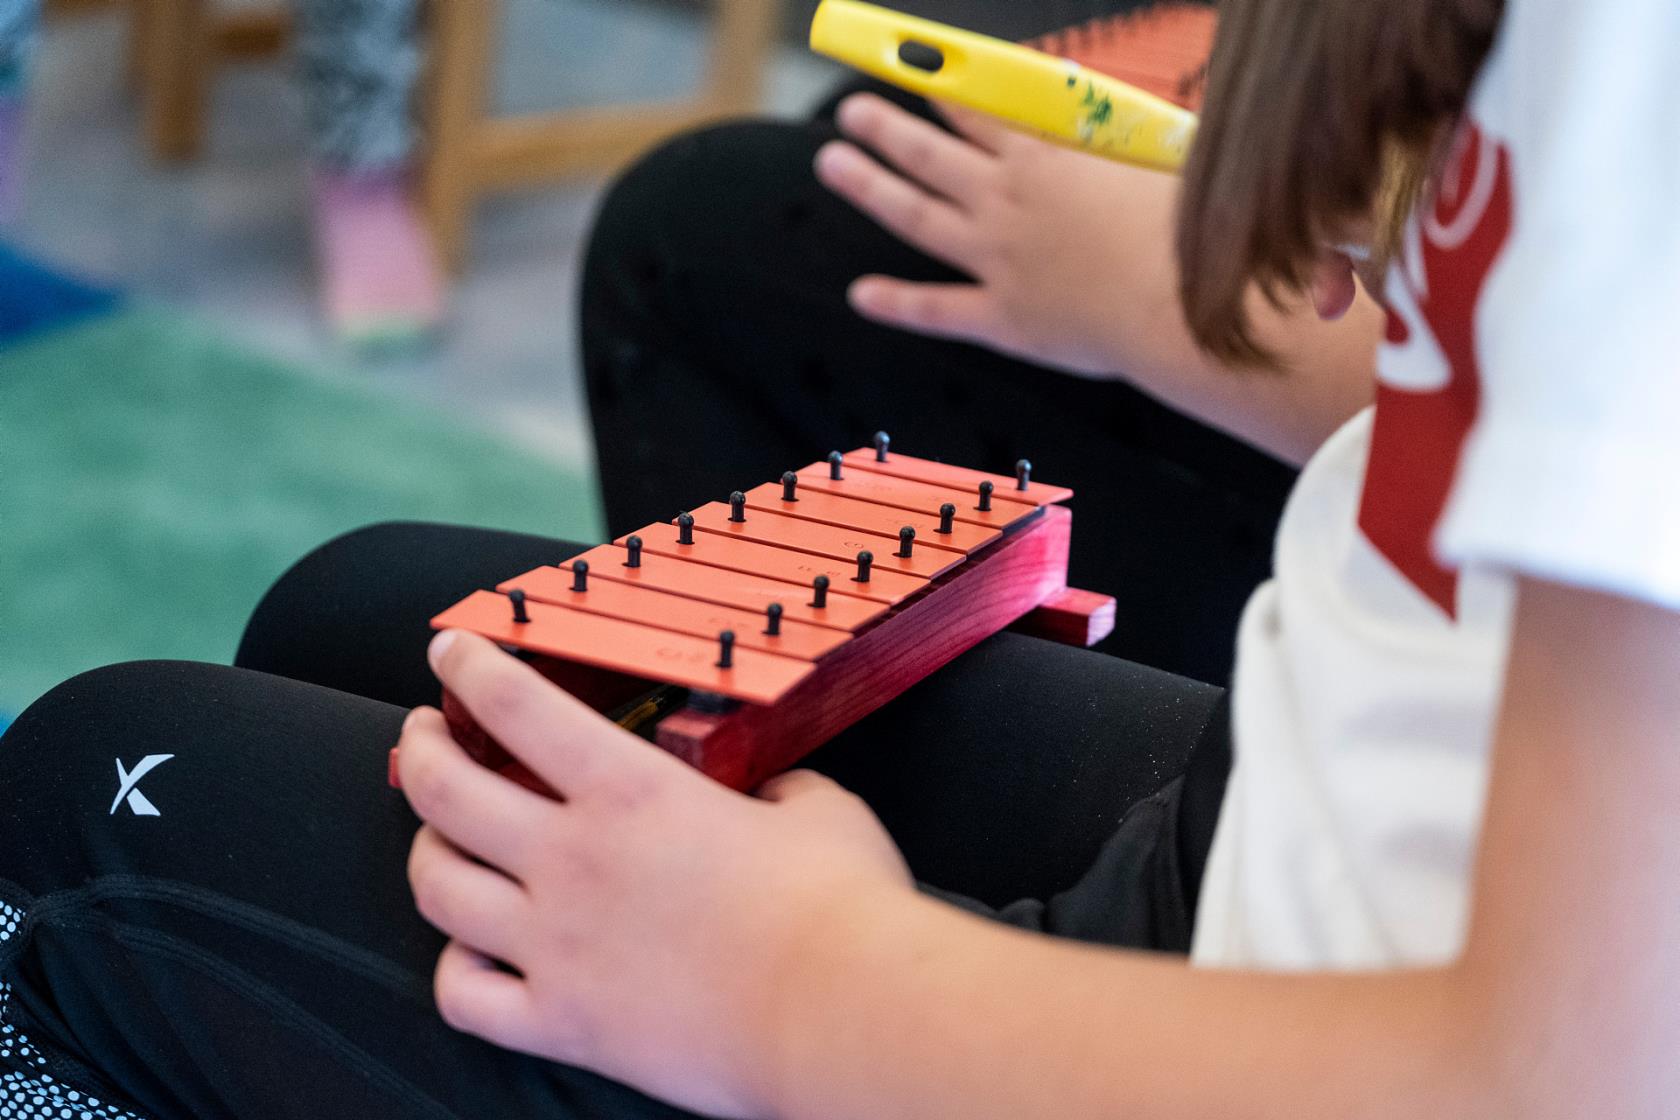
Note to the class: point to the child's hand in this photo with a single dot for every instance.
(652, 916)
(1072, 255)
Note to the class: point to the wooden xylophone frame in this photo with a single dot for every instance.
(1017, 581)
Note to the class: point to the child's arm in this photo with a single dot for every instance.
(1073, 262)
(771, 958)
(1564, 1004)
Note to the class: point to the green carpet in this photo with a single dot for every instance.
(154, 480)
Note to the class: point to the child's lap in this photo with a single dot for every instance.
(242, 941)
(1001, 776)
(235, 917)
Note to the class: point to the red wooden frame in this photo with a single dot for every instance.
(797, 690)
(743, 747)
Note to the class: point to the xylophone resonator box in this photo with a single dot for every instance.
(744, 634)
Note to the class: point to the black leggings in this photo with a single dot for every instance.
(229, 931)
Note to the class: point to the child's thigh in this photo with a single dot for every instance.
(355, 613)
(208, 913)
(1003, 775)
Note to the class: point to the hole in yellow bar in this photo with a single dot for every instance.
(922, 56)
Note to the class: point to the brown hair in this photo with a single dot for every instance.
(1317, 112)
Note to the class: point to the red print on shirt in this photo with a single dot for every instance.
(1424, 411)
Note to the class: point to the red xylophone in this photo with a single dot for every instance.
(746, 633)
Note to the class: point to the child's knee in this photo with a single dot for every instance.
(317, 575)
(90, 762)
(348, 552)
(703, 190)
(88, 707)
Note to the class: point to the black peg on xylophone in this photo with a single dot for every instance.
(580, 575)
(1023, 473)
(738, 508)
(947, 515)
(517, 597)
(634, 547)
(882, 442)
(819, 592)
(726, 649)
(906, 537)
(865, 560)
(790, 486)
(774, 614)
(985, 505)
(685, 528)
(834, 461)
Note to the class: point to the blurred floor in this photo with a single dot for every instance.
(225, 238)
(159, 478)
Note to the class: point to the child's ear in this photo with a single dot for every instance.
(1333, 285)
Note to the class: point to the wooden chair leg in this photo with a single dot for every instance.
(740, 46)
(243, 34)
(468, 153)
(462, 48)
(56, 8)
(139, 35)
(176, 60)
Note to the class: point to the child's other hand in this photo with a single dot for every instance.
(1071, 254)
(652, 917)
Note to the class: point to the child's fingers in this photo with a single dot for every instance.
(956, 311)
(945, 163)
(567, 744)
(815, 797)
(795, 784)
(481, 812)
(476, 997)
(982, 129)
(923, 220)
(466, 900)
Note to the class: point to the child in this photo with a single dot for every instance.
(716, 282)
(381, 281)
(770, 956)
(360, 62)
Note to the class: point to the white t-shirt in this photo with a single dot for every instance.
(1527, 420)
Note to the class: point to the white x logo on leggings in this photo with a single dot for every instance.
(126, 780)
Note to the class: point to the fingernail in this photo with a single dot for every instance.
(829, 158)
(847, 111)
(440, 646)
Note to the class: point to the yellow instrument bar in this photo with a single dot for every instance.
(1055, 97)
